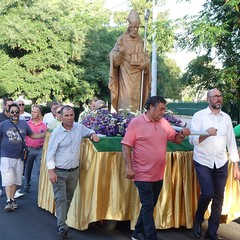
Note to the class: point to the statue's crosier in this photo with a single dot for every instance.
(129, 65)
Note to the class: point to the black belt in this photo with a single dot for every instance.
(66, 170)
(36, 147)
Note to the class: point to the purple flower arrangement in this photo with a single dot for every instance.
(114, 124)
(106, 123)
(173, 120)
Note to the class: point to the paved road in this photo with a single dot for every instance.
(29, 222)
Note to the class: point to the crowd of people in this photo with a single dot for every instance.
(144, 145)
(20, 130)
(145, 160)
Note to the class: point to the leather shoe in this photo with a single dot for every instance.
(212, 236)
(197, 231)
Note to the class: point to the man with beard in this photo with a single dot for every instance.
(211, 160)
(12, 134)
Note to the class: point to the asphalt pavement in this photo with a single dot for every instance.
(29, 222)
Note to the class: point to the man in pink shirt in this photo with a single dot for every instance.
(147, 136)
(34, 145)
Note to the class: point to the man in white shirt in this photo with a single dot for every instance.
(57, 120)
(23, 115)
(48, 117)
(211, 160)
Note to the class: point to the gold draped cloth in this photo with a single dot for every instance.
(103, 192)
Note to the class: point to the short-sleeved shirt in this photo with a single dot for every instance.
(149, 142)
(36, 128)
(25, 116)
(48, 117)
(53, 124)
(11, 141)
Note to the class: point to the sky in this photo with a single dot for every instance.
(176, 10)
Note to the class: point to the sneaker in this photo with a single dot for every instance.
(18, 194)
(62, 233)
(14, 204)
(138, 236)
(9, 206)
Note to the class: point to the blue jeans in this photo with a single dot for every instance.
(34, 154)
(148, 193)
(212, 183)
(0, 180)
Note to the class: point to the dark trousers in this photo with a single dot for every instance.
(212, 184)
(148, 193)
(0, 180)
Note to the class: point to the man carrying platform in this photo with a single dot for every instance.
(147, 137)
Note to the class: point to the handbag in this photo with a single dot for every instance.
(24, 147)
(25, 152)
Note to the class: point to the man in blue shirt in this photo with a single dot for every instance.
(12, 134)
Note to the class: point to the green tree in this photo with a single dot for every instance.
(42, 47)
(216, 30)
(168, 73)
(59, 49)
(95, 61)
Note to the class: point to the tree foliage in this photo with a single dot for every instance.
(42, 47)
(59, 49)
(216, 30)
(169, 84)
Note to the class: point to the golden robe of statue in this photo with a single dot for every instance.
(128, 63)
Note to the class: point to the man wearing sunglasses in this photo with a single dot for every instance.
(12, 134)
(23, 115)
(4, 116)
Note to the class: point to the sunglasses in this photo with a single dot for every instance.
(21, 104)
(16, 112)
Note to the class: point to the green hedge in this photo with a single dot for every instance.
(186, 108)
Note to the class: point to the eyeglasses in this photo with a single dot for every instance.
(216, 96)
(16, 112)
(21, 104)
